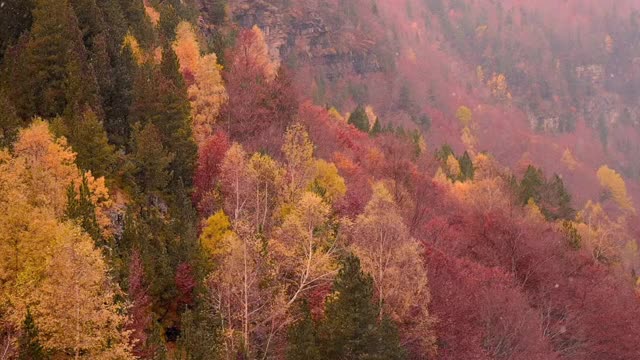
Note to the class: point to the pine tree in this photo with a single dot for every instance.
(15, 20)
(59, 79)
(531, 185)
(303, 338)
(9, 121)
(359, 119)
(200, 335)
(29, 347)
(89, 140)
(81, 209)
(150, 160)
(466, 167)
(350, 329)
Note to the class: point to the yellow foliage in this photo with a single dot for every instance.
(613, 182)
(75, 307)
(464, 115)
(453, 166)
(569, 160)
(207, 95)
(334, 113)
(186, 47)
(499, 87)
(533, 211)
(329, 181)
(260, 51)
(469, 140)
(134, 46)
(215, 234)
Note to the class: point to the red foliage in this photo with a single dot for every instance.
(481, 313)
(185, 283)
(259, 108)
(210, 157)
(140, 318)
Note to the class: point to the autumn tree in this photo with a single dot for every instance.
(76, 309)
(390, 256)
(612, 182)
(140, 321)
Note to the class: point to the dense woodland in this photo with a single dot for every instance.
(171, 190)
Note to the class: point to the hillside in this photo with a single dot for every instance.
(319, 179)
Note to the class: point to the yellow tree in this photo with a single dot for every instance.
(186, 47)
(328, 181)
(300, 169)
(392, 258)
(207, 95)
(75, 307)
(266, 177)
(464, 115)
(614, 184)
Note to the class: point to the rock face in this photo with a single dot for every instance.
(310, 33)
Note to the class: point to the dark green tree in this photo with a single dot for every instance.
(57, 78)
(466, 167)
(556, 200)
(81, 209)
(150, 160)
(216, 11)
(359, 119)
(200, 335)
(351, 328)
(15, 20)
(443, 153)
(89, 140)
(531, 185)
(302, 337)
(29, 347)
(169, 20)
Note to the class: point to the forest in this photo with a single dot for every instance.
(319, 179)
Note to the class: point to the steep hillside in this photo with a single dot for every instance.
(319, 179)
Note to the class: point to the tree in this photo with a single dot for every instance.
(140, 316)
(298, 153)
(207, 95)
(76, 306)
(466, 167)
(328, 183)
(9, 121)
(89, 140)
(15, 20)
(390, 256)
(82, 210)
(612, 182)
(59, 79)
(302, 342)
(29, 347)
(359, 119)
(464, 115)
(151, 160)
(206, 179)
(200, 334)
(350, 328)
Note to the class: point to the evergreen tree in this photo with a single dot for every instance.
(117, 95)
(556, 200)
(169, 20)
(81, 209)
(466, 167)
(351, 328)
(200, 335)
(359, 119)
(531, 185)
(302, 338)
(29, 347)
(150, 160)
(89, 140)
(58, 79)
(216, 11)
(9, 121)
(15, 20)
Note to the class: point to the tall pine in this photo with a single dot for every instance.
(352, 328)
